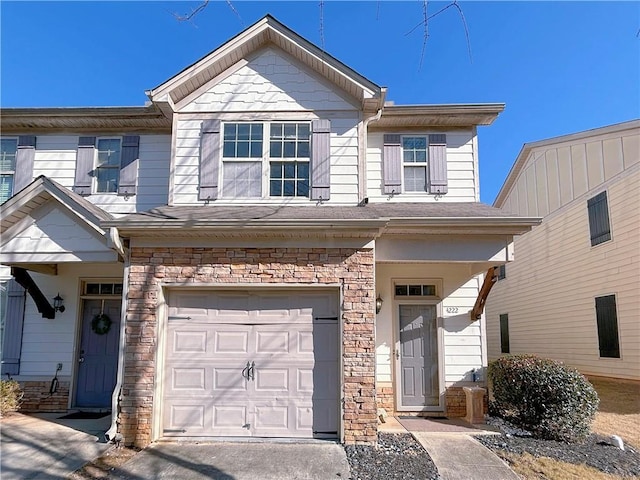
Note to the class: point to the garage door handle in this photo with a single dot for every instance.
(245, 371)
(251, 373)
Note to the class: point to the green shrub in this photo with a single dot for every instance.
(10, 396)
(543, 396)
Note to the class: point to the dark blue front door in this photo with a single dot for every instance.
(98, 356)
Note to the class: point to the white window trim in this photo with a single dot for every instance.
(94, 187)
(265, 160)
(415, 164)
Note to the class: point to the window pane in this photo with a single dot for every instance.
(93, 288)
(303, 188)
(229, 149)
(230, 131)
(303, 170)
(276, 149)
(107, 180)
(303, 131)
(117, 289)
(106, 288)
(8, 148)
(303, 150)
(243, 149)
(421, 156)
(276, 188)
(6, 187)
(408, 156)
(429, 290)
(243, 131)
(289, 149)
(402, 290)
(241, 179)
(256, 131)
(276, 130)
(289, 170)
(415, 179)
(407, 143)
(289, 188)
(256, 150)
(415, 290)
(276, 170)
(420, 143)
(109, 152)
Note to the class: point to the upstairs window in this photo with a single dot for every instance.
(109, 153)
(599, 226)
(246, 163)
(8, 152)
(501, 272)
(414, 159)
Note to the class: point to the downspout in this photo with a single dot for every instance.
(111, 434)
(362, 167)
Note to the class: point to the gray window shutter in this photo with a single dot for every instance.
(607, 319)
(24, 162)
(438, 164)
(320, 159)
(392, 164)
(599, 226)
(12, 343)
(128, 180)
(504, 333)
(209, 159)
(84, 165)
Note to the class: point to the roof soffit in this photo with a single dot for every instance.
(266, 32)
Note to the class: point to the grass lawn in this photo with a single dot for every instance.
(618, 413)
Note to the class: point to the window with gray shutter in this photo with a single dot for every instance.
(504, 333)
(84, 165)
(209, 159)
(320, 159)
(438, 164)
(128, 179)
(599, 226)
(607, 320)
(25, 156)
(12, 334)
(392, 164)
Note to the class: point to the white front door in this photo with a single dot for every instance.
(251, 364)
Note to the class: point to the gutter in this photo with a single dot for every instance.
(112, 434)
(362, 167)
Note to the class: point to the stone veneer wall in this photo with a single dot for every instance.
(352, 268)
(37, 398)
(384, 398)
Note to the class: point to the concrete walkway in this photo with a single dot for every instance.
(451, 446)
(45, 447)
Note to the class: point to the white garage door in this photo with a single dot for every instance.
(252, 364)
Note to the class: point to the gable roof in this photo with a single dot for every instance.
(523, 156)
(269, 31)
(43, 190)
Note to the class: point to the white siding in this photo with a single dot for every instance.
(270, 82)
(555, 175)
(344, 164)
(56, 158)
(461, 172)
(462, 342)
(45, 342)
(550, 289)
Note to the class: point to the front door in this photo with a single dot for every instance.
(98, 354)
(419, 356)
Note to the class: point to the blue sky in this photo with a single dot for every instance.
(561, 67)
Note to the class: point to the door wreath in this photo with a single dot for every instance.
(101, 324)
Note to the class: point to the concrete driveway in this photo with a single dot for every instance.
(46, 447)
(237, 461)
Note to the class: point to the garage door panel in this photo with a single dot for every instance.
(294, 390)
(228, 379)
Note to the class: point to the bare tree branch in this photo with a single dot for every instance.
(321, 6)
(194, 12)
(466, 30)
(425, 35)
(233, 9)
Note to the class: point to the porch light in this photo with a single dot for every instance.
(378, 304)
(57, 303)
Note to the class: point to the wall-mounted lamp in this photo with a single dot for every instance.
(378, 304)
(57, 303)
